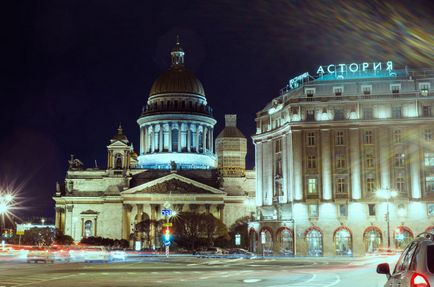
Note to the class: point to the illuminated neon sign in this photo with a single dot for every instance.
(295, 82)
(355, 68)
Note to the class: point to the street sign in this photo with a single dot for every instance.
(166, 212)
(167, 243)
(168, 224)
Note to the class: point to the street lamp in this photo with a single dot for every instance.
(6, 200)
(387, 194)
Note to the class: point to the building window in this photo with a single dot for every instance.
(278, 189)
(429, 159)
(310, 138)
(341, 186)
(310, 115)
(367, 139)
(427, 135)
(366, 89)
(368, 113)
(88, 228)
(338, 91)
(339, 114)
(278, 146)
(400, 184)
(310, 92)
(311, 161)
(313, 210)
(429, 184)
(430, 208)
(426, 111)
(394, 88)
(343, 210)
(339, 137)
(278, 167)
(399, 160)
(118, 161)
(397, 136)
(311, 186)
(396, 112)
(340, 160)
(370, 184)
(424, 89)
(369, 160)
(371, 209)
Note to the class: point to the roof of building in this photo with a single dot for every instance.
(177, 80)
(231, 132)
(119, 136)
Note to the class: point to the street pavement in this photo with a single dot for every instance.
(195, 272)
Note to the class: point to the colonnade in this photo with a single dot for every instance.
(176, 137)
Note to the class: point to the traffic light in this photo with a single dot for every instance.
(167, 234)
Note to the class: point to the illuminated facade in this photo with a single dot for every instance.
(176, 168)
(329, 145)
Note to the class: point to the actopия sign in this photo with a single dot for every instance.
(354, 67)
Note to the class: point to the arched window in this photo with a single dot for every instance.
(403, 236)
(268, 246)
(118, 161)
(372, 238)
(175, 143)
(284, 239)
(343, 242)
(88, 228)
(314, 242)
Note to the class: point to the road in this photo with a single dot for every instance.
(192, 272)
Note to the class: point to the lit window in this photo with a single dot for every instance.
(343, 210)
(399, 160)
(400, 184)
(397, 136)
(367, 139)
(429, 159)
(313, 210)
(310, 138)
(429, 184)
(428, 135)
(340, 138)
(371, 209)
(88, 228)
(341, 186)
(424, 89)
(311, 186)
(370, 183)
(311, 162)
(369, 160)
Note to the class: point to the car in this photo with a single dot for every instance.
(40, 254)
(415, 266)
(95, 253)
(210, 252)
(61, 253)
(118, 255)
(241, 253)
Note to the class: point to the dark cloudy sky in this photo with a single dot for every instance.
(71, 71)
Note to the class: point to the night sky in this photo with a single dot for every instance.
(71, 71)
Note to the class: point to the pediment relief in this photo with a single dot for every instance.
(174, 186)
(89, 211)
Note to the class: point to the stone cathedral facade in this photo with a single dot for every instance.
(176, 165)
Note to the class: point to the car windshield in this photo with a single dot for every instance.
(430, 258)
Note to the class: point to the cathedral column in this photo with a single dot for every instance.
(142, 140)
(126, 222)
(170, 137)
(160, 142)
(204, 139)
(211, 136)
(415, 171)
(326, 165)
(57, 220)
(259, 175)
(139, 219)
(356, 192)
(179, 137)
(188, 138)
(197, 139)
(156, 137)
(221, 208)
(285, 160)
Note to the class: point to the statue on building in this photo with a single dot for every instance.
(75, 163)
(172, 165)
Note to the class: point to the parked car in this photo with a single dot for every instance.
(61, 253)
(95, 253)
(241, 253)
(415, 266)
(209, 252)
(40, 254)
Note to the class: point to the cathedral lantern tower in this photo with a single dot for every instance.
(177, 123)
(119, 150)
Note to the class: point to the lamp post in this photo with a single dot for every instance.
(6, 200)
(387, 194)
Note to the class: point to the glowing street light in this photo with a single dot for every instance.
(387, 194)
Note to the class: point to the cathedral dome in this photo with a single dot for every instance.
(177, 80)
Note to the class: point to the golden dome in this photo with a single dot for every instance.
(177, 80)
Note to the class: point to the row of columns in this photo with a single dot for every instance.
(293, 178)
(189, 136)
